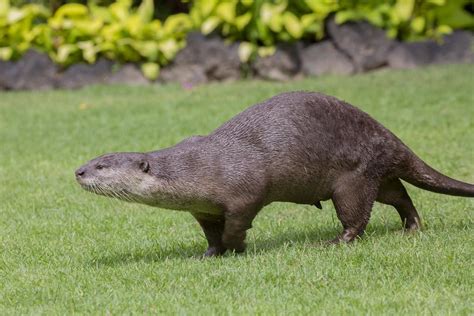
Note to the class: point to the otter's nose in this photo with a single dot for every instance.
(80, 172)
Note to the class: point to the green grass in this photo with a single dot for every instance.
(63, 250)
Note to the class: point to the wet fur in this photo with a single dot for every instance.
(296, 147)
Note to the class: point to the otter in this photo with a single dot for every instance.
(299, 147)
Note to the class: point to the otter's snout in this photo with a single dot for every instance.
(80, 172)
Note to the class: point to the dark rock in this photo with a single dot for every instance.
(323, 58)
(454, 48)
(282, 65)
(219, 60)
(6, 69)
(128, 74)
(187, 75)
(367, 45)
(412, 55)
(82, 74)
(34, 70)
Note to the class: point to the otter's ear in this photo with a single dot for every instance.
(144, 166)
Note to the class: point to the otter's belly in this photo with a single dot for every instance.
(188, 205)
(301, 190)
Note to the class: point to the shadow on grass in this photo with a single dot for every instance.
(260, 246)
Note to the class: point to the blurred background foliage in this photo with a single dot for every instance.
(162, 8)
(152, 32)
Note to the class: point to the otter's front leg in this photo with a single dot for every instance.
(213, 228)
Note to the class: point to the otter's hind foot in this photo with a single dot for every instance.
(214, 252)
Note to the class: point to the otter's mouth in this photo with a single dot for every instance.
(93, 188)
(109, 192)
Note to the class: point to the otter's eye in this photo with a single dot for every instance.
(144, 166)
(98, 167)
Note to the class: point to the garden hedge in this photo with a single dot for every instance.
(125, 33)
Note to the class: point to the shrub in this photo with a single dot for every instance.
(122, 32)
(19, 28)
(77, 32)
(260, 24)
(410, 19)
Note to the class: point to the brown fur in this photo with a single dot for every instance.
(296, 147)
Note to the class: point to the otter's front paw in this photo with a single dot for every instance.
(237, 245)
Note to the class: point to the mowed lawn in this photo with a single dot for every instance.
(64, 250)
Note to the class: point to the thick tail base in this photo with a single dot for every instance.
(427, 178)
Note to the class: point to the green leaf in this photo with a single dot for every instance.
(263, 33)
(323, 8)
(36, 11)
(206, 6)
(88, 27)
(454, 15)
(6, 53)
(266, 12)
(177, 24)
(437, 2)
(226, 11)
(418, 24)
(308, 19)
(150, 70)
(146, 10)
(169, 48)
(125, 50)
(392, 32)
(210, 24)
(89, 51)
(403, 9)
(246, 50)
(346, 15)
(64, 51)
(247, 3)
(72, 10)
(4, 7)
(100, 13)
(120, 10)
(276, 23)
(265, 51)
(15, 15)
(111, 32)
(134, 25)
(243, 20)
(147, 49)
(270, 11)
(443, 29)
(292, 25)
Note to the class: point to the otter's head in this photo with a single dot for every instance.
(126, 176)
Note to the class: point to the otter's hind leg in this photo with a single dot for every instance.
(353, 200)
(237, 221)
(213, 229)
(394, 193)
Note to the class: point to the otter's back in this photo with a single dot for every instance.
(305, 139)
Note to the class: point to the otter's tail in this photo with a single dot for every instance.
(423, 176)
